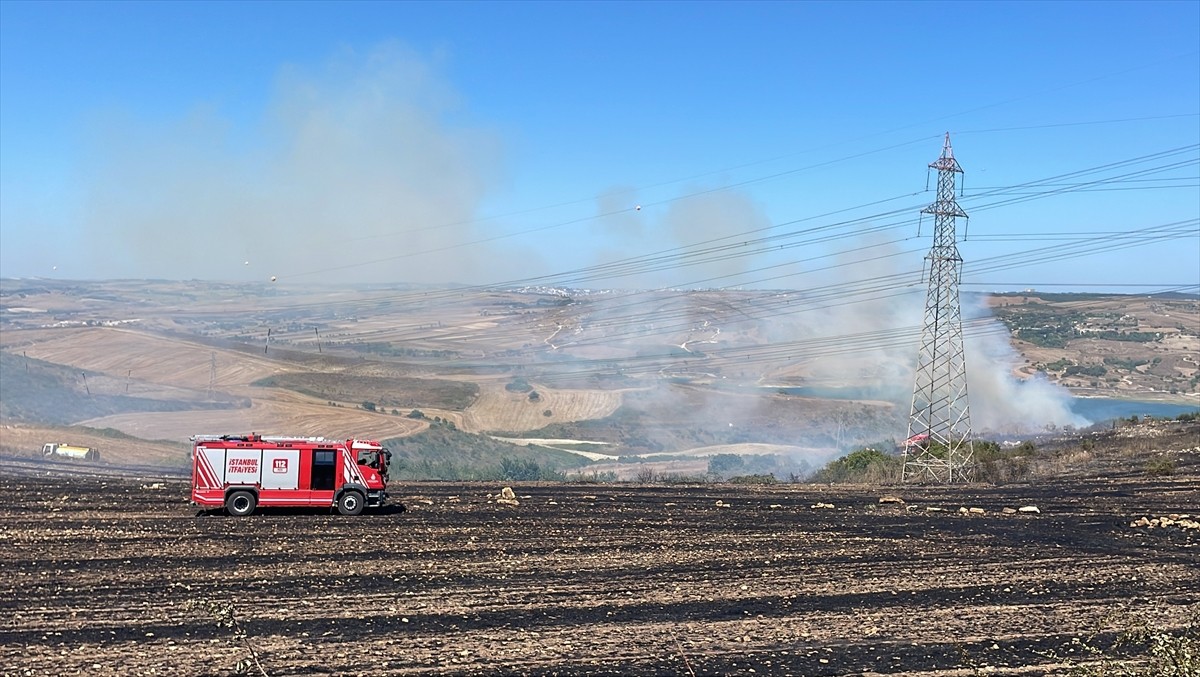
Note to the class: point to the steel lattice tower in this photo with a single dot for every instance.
(939, 447)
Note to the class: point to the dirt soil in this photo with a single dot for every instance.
(104, 574)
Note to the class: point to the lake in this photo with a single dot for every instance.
(1094, 409)
(1102, 409)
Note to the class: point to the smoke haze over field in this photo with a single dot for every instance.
(1000, 401)
(354, 165)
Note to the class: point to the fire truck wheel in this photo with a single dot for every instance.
(240, 503)
(351, 503)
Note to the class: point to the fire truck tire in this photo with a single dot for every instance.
(351, 503)
(240, 503)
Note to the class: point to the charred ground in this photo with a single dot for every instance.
(117, 576)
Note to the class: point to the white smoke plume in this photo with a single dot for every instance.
(707, 216)
(1000, 400)
(699, 215)
(350, 170)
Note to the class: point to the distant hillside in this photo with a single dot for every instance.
(385, 392)
(41, 392)
(1104, 344)
(443, 452)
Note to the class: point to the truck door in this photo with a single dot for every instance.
(323, 476)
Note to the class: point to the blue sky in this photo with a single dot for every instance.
(494, 142)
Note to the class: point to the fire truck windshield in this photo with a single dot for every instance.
(368, 457)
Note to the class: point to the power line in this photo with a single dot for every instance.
(1055, 125)
(759, 241)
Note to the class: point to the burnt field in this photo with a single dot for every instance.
(114, 576)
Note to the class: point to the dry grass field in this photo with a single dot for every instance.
(285, 416)
(643, 372)
(129, 356)
(499, 409)
(25, 440)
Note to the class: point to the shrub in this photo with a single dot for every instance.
(527, 470)
(518, 385)
(595, 477)
(725, 464)
(997, 465)
(1160, 466)
(1121, 363)
(676, 478)
(1059, 364)
(1012, 468)
(753, 479)
(1140, 650)
(225, 615)
(863, 465)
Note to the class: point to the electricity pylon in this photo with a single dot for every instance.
(939, 447)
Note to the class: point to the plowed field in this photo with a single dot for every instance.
(102, 577)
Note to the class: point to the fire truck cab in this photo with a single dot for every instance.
(244, 472)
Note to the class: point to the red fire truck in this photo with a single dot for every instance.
(242, 472)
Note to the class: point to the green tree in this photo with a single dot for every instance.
(724, 465)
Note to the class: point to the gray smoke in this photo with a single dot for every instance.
(709, 216)
(351, 170)
(1000, 400)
